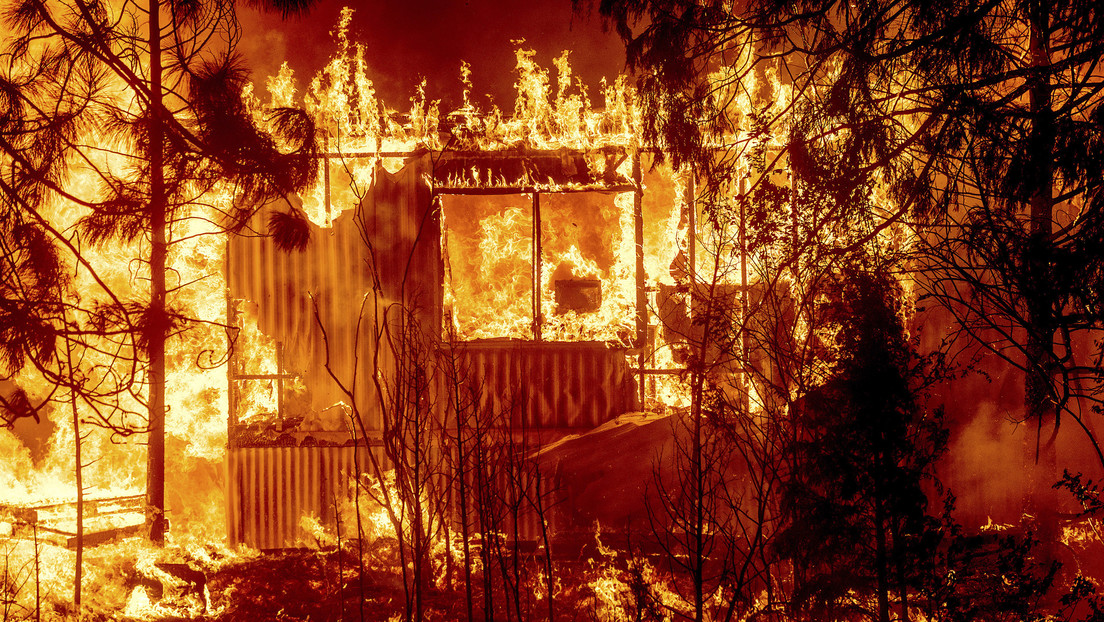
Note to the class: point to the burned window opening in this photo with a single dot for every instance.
(578, 295)
(268, 401)
(541, 266)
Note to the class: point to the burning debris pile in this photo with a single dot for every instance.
(471, 364)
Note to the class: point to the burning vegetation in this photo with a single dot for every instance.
(662, 356)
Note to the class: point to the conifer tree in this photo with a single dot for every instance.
(147, 100)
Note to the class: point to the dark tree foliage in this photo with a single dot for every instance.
(982, 120)
(980, 127)
(213, 143)
(855, 502)
(32, 276)
(990, 576)
(1018, 253)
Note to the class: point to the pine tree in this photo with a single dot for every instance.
(147, 100)
(856, 499)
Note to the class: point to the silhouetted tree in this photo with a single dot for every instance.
(855, 499)
(977, 123)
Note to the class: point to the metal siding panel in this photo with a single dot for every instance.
(295, 485)
(307, 498)
(276, 476)
(302, 467)
(276, 512)
(337, 474)
(263, 507)
(260, 509)
(601, 368)
(233, 498)
(572, 370)
(333, 494)
(280, 478)
(325, 485)
(567, 389)
(235, 511)
(554, 385)
(270, 302)
(303, 463)
(272, 487)
(254, 275)
(254, 498)
(291, 498)
(249, 500)
(282, 483)
(265, 491)
(317, 498)
(278, 486)
(324, 477)
(296, 311)
(271, 510)
(538, 395)
(515, 390)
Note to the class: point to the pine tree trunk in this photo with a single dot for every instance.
(78, 566)
(699, 516)
(156, 324)
(899, 565)
(881, 559)
(1039, 406)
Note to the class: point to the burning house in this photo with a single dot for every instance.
(514, 287)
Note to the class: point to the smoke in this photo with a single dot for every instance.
(984, 465)
(993, 457)
(265, 50)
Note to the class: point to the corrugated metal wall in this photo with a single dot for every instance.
(271, 488)
(556, 385)
(336, 271)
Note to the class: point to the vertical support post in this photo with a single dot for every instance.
(444, 317)
(280, 383)
(38, 583)
(78, 567)
(641, 292)
(536, 267)
(326, 175)
(231, 362)
(691, 199)
(795, 186)
(160, 237)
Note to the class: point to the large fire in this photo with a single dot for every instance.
(585, 273)
(407, 416)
